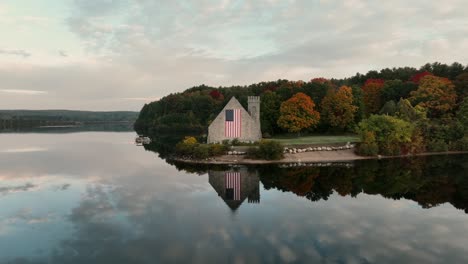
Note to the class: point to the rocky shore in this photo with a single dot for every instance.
(303, 157)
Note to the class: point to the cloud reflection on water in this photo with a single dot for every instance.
(128, 206)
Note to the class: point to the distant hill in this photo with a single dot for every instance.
(27, 119)
(69, 115)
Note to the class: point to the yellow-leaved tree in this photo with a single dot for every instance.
(297, 113)
(436, 94)
(337, 107)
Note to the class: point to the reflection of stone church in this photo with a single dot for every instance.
(234, 186)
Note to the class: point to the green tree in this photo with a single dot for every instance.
(391, 134)
(394, 90)
(407, 112)
(462, 115)
(461, 86)
(270, 112)
(389, 108)
(358, 101)
(317, 89)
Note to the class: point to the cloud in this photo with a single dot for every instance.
(35, 19)
(145, 48)
(21, 53)
(332, 37)
(26, 215)
(13, 189)
(3, 8)
(23, 92)
(65, 186)
(23, 150)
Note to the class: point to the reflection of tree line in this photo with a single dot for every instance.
(18, 124)
(64, 127)
(430, 181)
(163, 145)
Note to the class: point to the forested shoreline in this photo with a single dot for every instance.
(26, 119)
(395, 111)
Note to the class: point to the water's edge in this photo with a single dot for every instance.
(307, 157)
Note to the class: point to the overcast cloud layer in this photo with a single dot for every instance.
(119, 54)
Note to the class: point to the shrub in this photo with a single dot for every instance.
(184, 149)
(190, 140)
(267, 150)
(368, 146)
(201, 151)
(460, 145)
(190, 148)
(463, 144)
(392, 135)
(437, 145)
(218, 149)
(235, 142)
(391, 149)
(417, 144)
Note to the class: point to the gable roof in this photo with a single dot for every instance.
(234, 104)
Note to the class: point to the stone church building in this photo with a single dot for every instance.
(235, 122)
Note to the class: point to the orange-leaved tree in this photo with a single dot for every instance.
(337, 107)
(297, 113)
(436, 94)
(372, 90)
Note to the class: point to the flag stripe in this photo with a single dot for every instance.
(233, 181)
(233, 129)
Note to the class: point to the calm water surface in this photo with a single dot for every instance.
(95, 197)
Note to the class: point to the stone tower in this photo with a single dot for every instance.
(254, 111)
(254, 107)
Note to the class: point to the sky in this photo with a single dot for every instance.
(121, 54)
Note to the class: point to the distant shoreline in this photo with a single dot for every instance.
(307, 157)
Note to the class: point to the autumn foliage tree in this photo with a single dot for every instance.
(372, 90)
(418, 76)
(437, 94)
(337, 107)
(461, 86)
(298, 113)
(320, 80)
(215, 94)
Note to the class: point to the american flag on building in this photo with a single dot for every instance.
(232, 123)
(233, 185)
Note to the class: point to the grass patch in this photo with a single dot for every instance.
(291, 140)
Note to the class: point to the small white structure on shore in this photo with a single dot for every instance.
(234, 122)
(141, 140)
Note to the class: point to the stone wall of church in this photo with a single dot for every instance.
(250, 127)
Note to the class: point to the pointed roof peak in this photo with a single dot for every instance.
(233, 98)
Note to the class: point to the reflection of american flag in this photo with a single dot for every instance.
(233, 185)
(232, 124)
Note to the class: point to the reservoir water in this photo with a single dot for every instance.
(95, 197)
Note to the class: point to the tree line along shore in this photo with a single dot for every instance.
(26, 119)
(396, 111)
